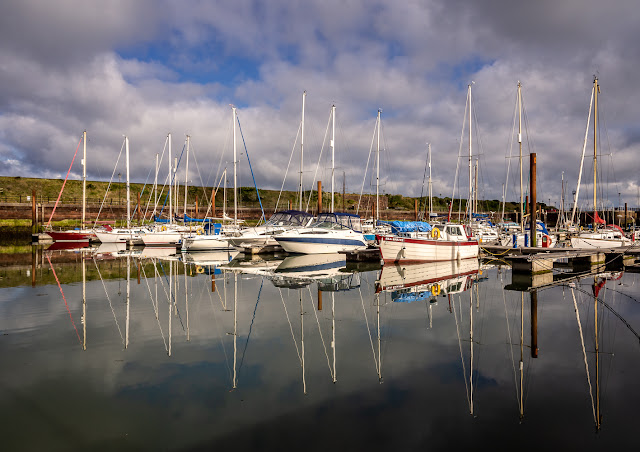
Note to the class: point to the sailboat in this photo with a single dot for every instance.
(200, 242)
(521, 237)
(610, 236)
(82, 234)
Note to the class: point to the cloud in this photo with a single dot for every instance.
(146, 69)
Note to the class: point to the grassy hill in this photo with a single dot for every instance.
(16, 189)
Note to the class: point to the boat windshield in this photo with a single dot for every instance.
(337, 221)
(288, 218)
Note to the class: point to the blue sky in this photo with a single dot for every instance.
(148, 68)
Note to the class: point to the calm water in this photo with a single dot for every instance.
(307, 354)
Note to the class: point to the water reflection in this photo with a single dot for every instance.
(300, 340)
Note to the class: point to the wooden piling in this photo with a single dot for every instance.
(415, 208)
(319, 197)
(534, 324)
(138, 213)
(319, 300)
(34, 213)
(533, 188)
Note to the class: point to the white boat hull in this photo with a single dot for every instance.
(163, 238)
(206, 243)
(594, 243)
(404, 249)
(321, 243)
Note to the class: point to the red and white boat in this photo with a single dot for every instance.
(450, 243)
(79, 235)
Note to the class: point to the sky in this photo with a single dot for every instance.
(148, 68)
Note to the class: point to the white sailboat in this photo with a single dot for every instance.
(216, 242)
(610, 236)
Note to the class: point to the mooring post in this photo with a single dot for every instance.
(533, 210)
(34, 211)
(319, 300)
(319, 197)
(415, 208)
(534, 324)
(139, 212)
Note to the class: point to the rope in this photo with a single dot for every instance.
(60, 194)
(252, 176)
(109, 300)
(63, 297)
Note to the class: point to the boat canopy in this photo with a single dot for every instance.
(347, 220)
(289, 218)
(409, 226)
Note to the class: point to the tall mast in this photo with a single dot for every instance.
(235, 171)
(470, 155)
(378, 173)
(84, 176)
(155, 187)
(170, 182)
(520, 146)
(176, 187)
(430, 188)
(186, 176)
(595, 148)
(333, 153)
(304, 96)
(126, 143)
(475, 189)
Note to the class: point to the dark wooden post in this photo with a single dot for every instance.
(319, 197)
(139, 209)
(415, 208)
(319, 300)
(534, 324)
(533, 188)
(196, 207)
(34, 213)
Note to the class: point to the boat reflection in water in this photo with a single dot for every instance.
(264, 340)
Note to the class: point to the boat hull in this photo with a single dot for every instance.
(594, 243)
(404, 249)
(320, 245)
(71, 236)
(206, 243)
(161, 238)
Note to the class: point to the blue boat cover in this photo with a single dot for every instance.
(408, 226)
(404, 297)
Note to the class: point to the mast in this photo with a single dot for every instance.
(470, 154)
(430, 187)
(595, 150)
(304, 96)
(155, 188)
(235, 171)
(520, 156)
(170, 181)
(333, 153)
(126, 141)
(378, 173)
(186, 177)
(126, 344)
(584, 148)
(475, 189)
(84, 177)
(84, 301)
(177, 187)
